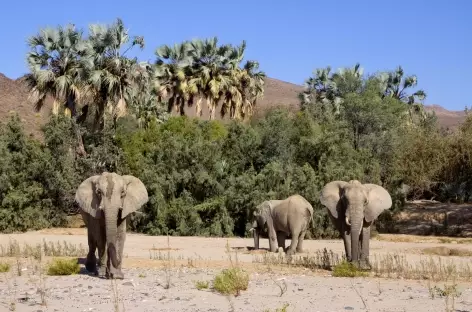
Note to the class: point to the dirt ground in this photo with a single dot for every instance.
(200, 259)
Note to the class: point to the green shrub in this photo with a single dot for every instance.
(347, 269)
(63, 267)
(202, 285)
(231, 281)
(4, 267)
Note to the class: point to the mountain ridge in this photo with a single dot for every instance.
(14, 97)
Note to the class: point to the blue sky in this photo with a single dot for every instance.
(432, 39)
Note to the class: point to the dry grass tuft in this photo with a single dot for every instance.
(446, 251)
(49, 249)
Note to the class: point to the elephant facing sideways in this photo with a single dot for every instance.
(105, 201)
(353, 207)
(282, 217)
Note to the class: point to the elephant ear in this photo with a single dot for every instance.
(378, 200)
(86, 196)
(330, 195)
(136, 195)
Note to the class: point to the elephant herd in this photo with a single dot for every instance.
(107, 200)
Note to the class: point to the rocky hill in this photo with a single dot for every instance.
(14, 97)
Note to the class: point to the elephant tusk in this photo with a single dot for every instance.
(347, 221)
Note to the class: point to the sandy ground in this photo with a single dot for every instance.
(200, 259)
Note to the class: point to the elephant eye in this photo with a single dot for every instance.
(123, 193)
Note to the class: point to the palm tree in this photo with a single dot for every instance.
(397, 85)
(210, 61)
(57, 70)
(143, 98)
(173, 74)
(111, 72)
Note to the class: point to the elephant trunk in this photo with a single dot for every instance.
(111, 217)
(256, 234)
(356, 221)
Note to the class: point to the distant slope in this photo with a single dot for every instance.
(14, 97)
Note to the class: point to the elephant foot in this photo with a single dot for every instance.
(355, 264)
(117, 275)
(365, 265)
(290, 252)
(91, 264)
(300, 250)
(102, 272)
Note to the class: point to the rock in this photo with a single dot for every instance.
(90, 287)
(130, 283)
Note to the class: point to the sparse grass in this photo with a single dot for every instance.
(4, 267)
(346, 269)
(389, 265)
(406, 238)
(142, 275)
(231, 281)
(449, 293)
(49, 249)
(446, 251)
(63, 267)
(321, 259)
(202, 285)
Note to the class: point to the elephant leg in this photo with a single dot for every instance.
(365, 242)
(120, 243)
(346, 235)
(272, 236)
(301, 238)
(293, 243)
(91, 261)
(281, 237)
(102, 250)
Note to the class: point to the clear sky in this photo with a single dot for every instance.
(432, 39)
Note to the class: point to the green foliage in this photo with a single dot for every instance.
(347, 269)
(202, 285)
(4, 267)
(206, 177)
(63, 267)
(231, 281)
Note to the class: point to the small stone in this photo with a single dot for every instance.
(128, 284)
(348, 308)
(90, 287)
(178, 298)
(300, 289)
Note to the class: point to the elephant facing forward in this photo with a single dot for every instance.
(289, 216)
(353, 207)
(105, 201)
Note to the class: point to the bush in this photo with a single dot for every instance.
(4, 267)
(63, 267)
(347, 269)
(231, 281)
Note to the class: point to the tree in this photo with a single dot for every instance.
(110, 71)
(397, 85)
(57, 69)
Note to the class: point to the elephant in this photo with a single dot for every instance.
(105, 201)
(353, 207)
(288, 216)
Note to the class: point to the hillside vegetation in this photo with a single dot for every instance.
(205, 177)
